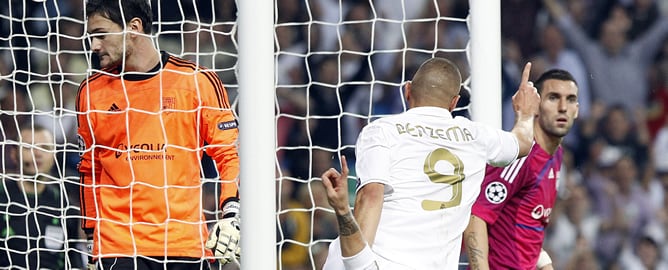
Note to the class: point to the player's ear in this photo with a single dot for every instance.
(407, 91)
(453, 103)
(136, 25)
(14, 154)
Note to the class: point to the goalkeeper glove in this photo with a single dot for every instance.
(224, 237)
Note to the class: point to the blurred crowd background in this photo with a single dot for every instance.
(342, 63)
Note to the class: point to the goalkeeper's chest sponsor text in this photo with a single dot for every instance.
(143, 151)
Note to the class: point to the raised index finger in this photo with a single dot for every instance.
(344, 166)
(525, 73)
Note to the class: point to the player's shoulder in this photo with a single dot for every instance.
(375, 132)
(381, 123)
(182, 64)
(99, 76)
(178, 63)
(185, 66)
(468, 123)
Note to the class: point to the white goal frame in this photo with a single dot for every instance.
(257, 115)
(257, 134)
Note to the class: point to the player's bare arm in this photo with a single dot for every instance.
(477, 246)
(525, 104)
(368, 206)
(336, 185)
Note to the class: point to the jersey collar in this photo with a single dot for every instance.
(429, 110)
(164, 57)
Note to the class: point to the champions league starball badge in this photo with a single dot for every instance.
(496, 192)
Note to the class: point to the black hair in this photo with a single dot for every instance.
(554, 74)
(122, 14)
(33, 128)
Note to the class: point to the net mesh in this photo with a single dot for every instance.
(339, 65)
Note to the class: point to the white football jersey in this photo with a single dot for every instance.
(432, 166)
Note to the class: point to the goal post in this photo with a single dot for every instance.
(257, 129)
(485, 57)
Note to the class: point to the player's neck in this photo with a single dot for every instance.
(144, 58)
(29, 186)
(429, 104)
(547, 142)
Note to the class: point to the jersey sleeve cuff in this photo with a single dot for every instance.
(365, 259)
(387, 187)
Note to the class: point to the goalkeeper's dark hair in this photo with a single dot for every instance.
(122, 14)
(554, 74)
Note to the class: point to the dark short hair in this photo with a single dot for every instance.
(553, 74)
(32, 127)
(122, 15)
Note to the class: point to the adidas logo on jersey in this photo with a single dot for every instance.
(114, 108)
(551, 175)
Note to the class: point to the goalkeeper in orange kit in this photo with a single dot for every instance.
(145, 120)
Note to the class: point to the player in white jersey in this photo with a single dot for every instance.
(420, 172)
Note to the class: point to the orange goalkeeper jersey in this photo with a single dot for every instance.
(142, 137)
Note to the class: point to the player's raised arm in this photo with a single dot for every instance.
(554, 8)
(525, 105)
(354, 249)
(336, 185)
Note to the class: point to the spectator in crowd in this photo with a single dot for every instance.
(518, 18)
(40, 225)
(642, 13)
(294, 229)
(625, 212)
(583, 257)
(646, 253)
(325, 97)
(575, 224)
(617, 66)
(657, 108)
(614, 126)
(555, 54)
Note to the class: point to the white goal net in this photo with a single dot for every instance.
(339, 64)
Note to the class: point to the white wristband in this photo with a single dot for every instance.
(543, 259)
(365, 260)
(232, 208)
